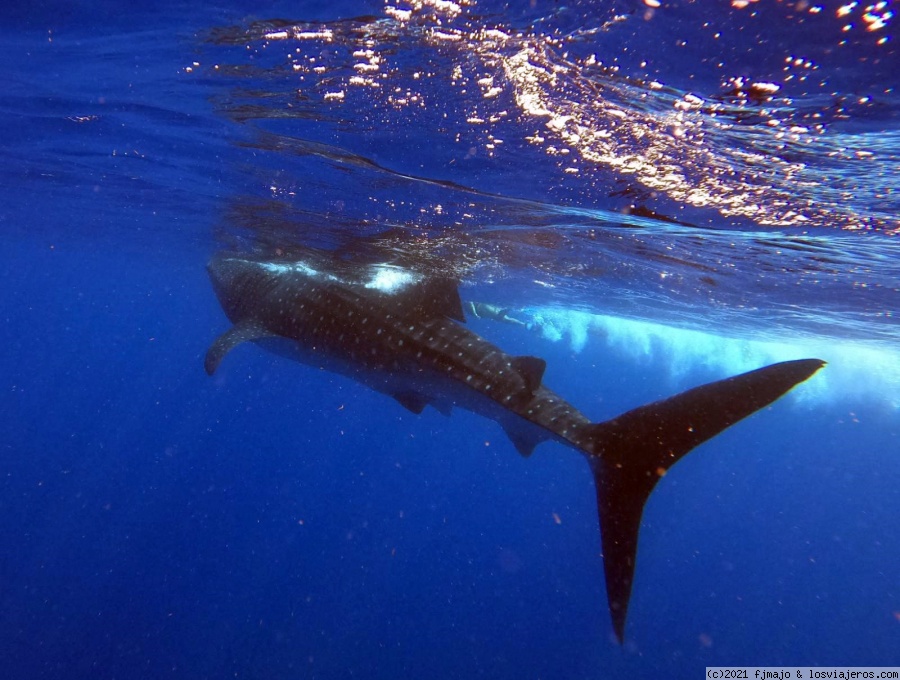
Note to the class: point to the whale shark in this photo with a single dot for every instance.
(401, 332)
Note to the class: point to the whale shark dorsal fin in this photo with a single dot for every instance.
(531, 369)
(444, 295)
(432, 298)
(245, 331)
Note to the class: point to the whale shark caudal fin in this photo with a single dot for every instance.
(629, 454)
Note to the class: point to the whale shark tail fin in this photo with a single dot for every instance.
(628, 454)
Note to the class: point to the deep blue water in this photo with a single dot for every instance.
(600, 169)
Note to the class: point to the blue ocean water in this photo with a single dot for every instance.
(663, 196)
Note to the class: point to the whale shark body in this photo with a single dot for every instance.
(400, 333)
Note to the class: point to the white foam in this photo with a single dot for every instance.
(855, 371)
(389, 279)
(285, 267)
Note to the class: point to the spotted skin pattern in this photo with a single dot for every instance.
(400, 333)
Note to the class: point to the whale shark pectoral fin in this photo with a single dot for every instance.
(630, 453)
(234, 336)
(531, 369)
